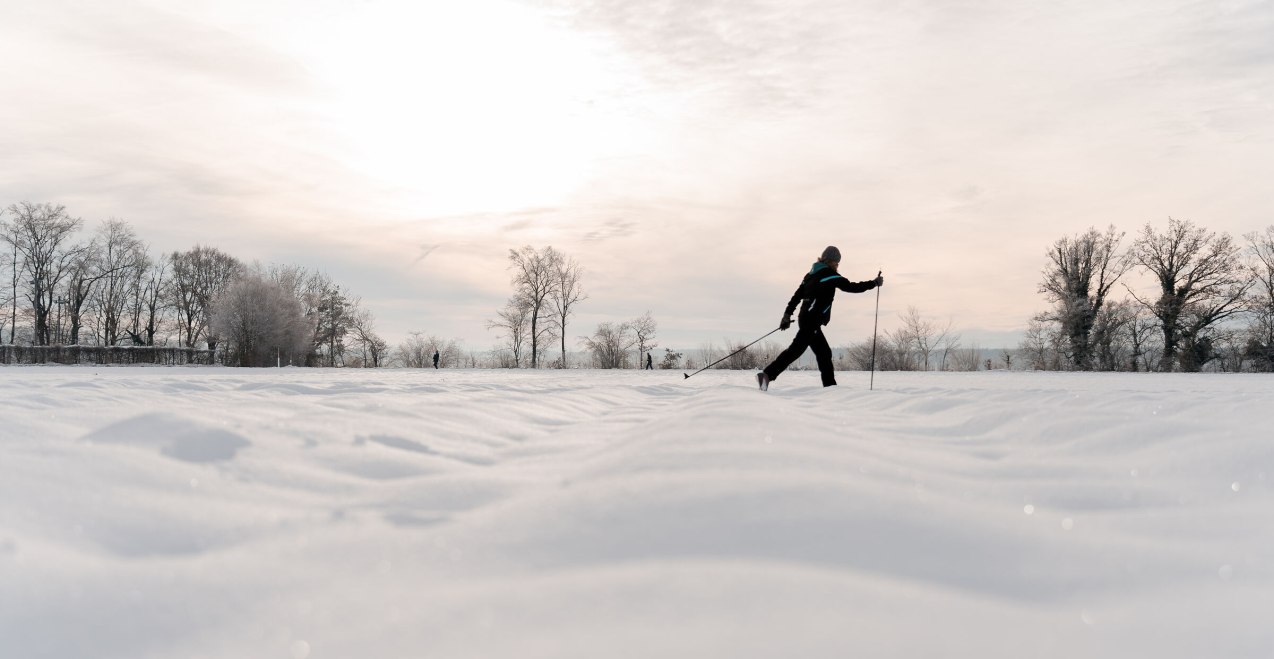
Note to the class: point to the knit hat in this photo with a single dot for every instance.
(831, 254)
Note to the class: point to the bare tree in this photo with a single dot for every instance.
(740, 357)
(535, 281)
(966, 359)
(1201, 283)
(411, 352)
(567, 292)
(374, 348)
(926, 337)
(418, 351)
(895, 351)
(1112, 336)
(1260, 346)
(9, 264)
(1143, 336)
(108, 261)
(503, 358)
(858, 356)
(13, 262)
(709, 353)
(190, 317)
(330, 310)
(1080, 274)
(80, 280)
(769, 350)
(260, 320)
(643, 329)
(123, 260)
(919, 334)
(41, 236)
(1229, 345)
(311, 290)
(515, 320)
(946, 345)
(449, 351)
(198, 276)
(1043, 344)
(150, 292)
(609, 345)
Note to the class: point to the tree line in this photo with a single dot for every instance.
(108, 289)
(105, 297)
(547, 289)
(1210, 304)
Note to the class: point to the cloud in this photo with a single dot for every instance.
(425, 251)
(138, 37)
(518, 225)
(745, 53)
(610, 230)
(129, 102)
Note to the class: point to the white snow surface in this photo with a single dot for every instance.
(211, 512)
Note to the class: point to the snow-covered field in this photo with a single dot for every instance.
(207, 512)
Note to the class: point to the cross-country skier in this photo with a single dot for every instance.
(814, 296)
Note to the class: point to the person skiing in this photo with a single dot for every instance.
(435, 359)
(650, 364)
(814, 296)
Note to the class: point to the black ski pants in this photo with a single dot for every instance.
(809, 334)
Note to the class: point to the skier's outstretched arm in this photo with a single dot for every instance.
(859, 286)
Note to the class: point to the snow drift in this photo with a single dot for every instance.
(208, 512)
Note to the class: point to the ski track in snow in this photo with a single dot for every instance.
(209, 512)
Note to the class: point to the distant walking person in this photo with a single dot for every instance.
(435, 359)
(650, 365)
(814, 296)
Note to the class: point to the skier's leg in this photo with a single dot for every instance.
(823, 353)
(799, 343)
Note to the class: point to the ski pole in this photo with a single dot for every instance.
(731, 354)
(871, 385)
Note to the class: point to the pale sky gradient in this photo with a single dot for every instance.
(693, 156)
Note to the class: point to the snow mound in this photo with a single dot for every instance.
(173, 437)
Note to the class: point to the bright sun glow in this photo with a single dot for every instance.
(461, 107)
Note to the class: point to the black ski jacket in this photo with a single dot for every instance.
(816, 291)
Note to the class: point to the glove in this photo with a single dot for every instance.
(880, 280)
(785, 323)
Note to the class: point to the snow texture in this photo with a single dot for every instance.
(208, 512)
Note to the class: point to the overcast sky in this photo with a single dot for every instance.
(693, 156)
